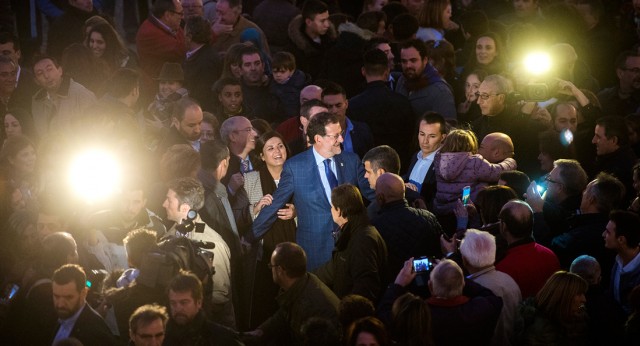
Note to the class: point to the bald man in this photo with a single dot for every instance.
(407, 231)
(495, 147)
(528, 263)
(291, 129)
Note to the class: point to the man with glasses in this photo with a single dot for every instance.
(565, 184)
(498, 116)
(160, 38)
(623, 98)
(303, 296)
(307, 180)
(147, 325)
(240, 137)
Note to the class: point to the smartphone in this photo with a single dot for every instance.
(466, 191)
(540, 188)
(422, 265)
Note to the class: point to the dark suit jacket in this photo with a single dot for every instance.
(361, 138)
(300, 179)
(429, 186)
(201, 70)
(91, 329)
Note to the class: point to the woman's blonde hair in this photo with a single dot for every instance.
(460, 141)
(555, 299)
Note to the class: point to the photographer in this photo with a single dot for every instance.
(463, 312)
(185, 196)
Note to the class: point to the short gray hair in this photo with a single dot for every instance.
(478, 248)
(503, 83)
(228, 126)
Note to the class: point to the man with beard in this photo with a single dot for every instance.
(256, 91)
(623, 98)
(185, 125)
(421, 83)
(188, 324)
(77, 319)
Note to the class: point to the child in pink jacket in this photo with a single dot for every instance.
(458, 164)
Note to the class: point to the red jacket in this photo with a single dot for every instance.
(157, 45)
(530, 265)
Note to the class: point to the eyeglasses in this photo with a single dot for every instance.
(552, 181)
(271, 266)
(485, 97)
(335, 137)
(176, 12)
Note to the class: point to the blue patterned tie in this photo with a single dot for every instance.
(331, 178)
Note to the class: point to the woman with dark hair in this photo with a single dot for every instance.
(17, 122)
(359, 261)
(368, 331)
(260, 185)
(557, 316)
(489, 55)
(106, 44)
(18, 163)
(79, 63)
(411, 321)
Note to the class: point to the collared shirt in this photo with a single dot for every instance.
(419, 171)
(348, 141)
(246, 161)
(623, 269)
(164, 26)
(480, 273)
(66, 326)
(323, 176)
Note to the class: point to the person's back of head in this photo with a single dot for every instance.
(478, 249)
(411, 321)
(57, 250)
(446, 280)
(376, 63)
(138, 243)
(588, 268)
(490, 201)
(318, 331)
(291, 258)
(188, 191)
(212, 153)
(404, 27)
(198, 30)
(460, 141)
(516, 218)
(607, 192)
(122, 83)
(180, 160)
(353, 307)
(518, 181)
(389, 188)
(161, 6)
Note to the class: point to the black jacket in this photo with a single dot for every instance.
(200, 332)
(91, 329)
(201, 70)
(429, 184)
(388, 114)
(408, 232)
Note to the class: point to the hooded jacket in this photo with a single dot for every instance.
(454, 171)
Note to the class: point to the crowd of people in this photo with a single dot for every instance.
(337, 172)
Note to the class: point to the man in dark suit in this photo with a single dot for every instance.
(185, 125)
(356, 135)
(76, 318)
(388, 114)
(309, 178)
(421, 176)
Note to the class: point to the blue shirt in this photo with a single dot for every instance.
(323, 176)
(419, 171)
(347, 144)
(66, 326)
(623, 269)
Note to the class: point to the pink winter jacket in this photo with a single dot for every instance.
(454, 171)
